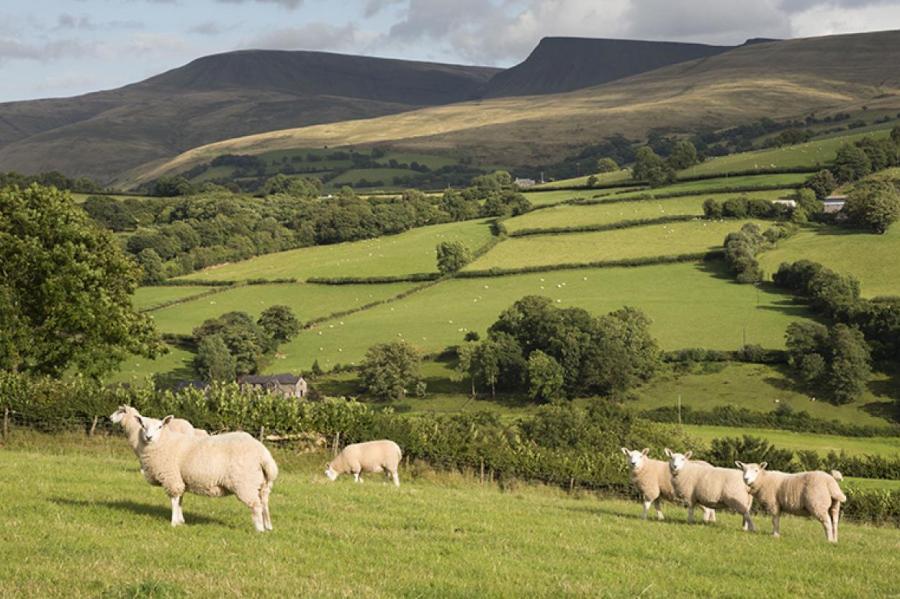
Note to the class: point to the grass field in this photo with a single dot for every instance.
(870, 258)
(763, 388)
(372, 175)
(886, 446)
(706, 186)
(602, 179)
(150, 297)
(691, 305)
(79, 521)
(406, 253)
(596, 214)
(619, 244)
(542, 198)
(812, 154)
(307, 301)
(173, 367)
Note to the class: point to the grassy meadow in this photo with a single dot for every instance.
(146, 298)
(543, 198)
(870, 258)
(681, 299)
(620, 244)
(884, 446)
(80, 521)
(405, 253)
(174, 366)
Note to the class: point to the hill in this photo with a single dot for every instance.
(562, 64)
(219, 97)
(778, 79)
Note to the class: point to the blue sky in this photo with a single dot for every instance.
(51, 48)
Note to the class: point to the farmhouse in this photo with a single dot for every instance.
(288, 385)
(524, 183)
(834, 203)
(788, 203)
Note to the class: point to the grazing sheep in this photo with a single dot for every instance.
(127, 417)
(372, 456)
(815, 494)
(231, 463)
(709, 486)
(654, 481)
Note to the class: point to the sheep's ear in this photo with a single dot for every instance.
(688, 455)
(739, 464)
(140, 420)
(625, 451)
(167, 419)
(668, 452)
(645, 451)
(763, 465)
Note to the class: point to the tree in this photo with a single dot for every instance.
(452, 256)
(245, 340)
(651, 168)
(851, 163)
(485, 363)
(152, 266)
(822, 184)
(545, 377)
(292, 186)
(895, 135)
(65, 289)
(316, 371)
(389, 369)
(465, 355)
(213, 361)
(850, 363)
(874, 205)
(279, 323)
(607, 165)
(684, 155)
(592, 180)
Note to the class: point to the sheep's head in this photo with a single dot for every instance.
(677, 461)
(751, 471)
(151, 429)
(635, 458)
(121, 412)
(331, 473)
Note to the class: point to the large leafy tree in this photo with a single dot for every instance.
(649, 167)
(65, 289)
(279, 323)
(390, 369)
(452, 256)
(874, 205)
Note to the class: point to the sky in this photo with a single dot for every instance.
(53, 48)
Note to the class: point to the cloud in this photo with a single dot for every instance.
(207, 28)
(288, 4)
(373, 7)
(829, 19)
(13, 49)
(313, 36)
(722, 21)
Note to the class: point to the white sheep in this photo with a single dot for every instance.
(815, 494)
(230, 463)
(127, 417)
(699, 483)
(372, 456)
(653, 480)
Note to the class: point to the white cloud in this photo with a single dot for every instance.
(313, 36)
(288, 4)
(829, 20)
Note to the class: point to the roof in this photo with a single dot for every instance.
(269, 379)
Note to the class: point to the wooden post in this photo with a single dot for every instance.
(262, 433)
(5, 423)
(571, 484)
(482, 471)
(337, 443)
(93, 426)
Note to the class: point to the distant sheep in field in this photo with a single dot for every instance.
(372, 456)
(698, 483)
(815, 494)
(226, 464)
(653, 480)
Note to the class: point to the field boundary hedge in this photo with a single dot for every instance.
(190, 298)
(623, 263)
(623, 224)
(684, 194)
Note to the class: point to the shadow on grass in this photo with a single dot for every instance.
(601, 510)
(141, 509)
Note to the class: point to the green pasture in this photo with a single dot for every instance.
(763, 388)
(385, 175)
(405, 253)
(813, 154)
(80, 521)
(885, 446)
(619, 244)
(716, 185)
(432, 161)
(307, 301)
(543, 198)
(691, 305)
(149, 297)
(873, 259)
(602, 179)
(174, 366)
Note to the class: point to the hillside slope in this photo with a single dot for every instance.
(562, 64)
(769, 79)
(219, 97)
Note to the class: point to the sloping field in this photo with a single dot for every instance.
(87, 510)
(307, 301)
(873, 259)
(720, 183)
(150, 297)
(406, 253)
(691, 305)
(619, 244)
(177, 365)
(542, 198)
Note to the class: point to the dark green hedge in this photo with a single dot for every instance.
(628, 262)
(624, 224)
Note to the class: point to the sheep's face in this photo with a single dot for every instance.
(151, 429)
(635, 458)
(120, 414)
(330, 473)
(677, 461)
(751, 471)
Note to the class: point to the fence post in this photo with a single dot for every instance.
(482, 471)
(262, 433)
(93, 426)
(5, 423)
(337, 443)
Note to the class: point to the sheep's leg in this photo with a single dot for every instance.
(659, 514)
(176, 511)
(709, 515)
(181, 509)
(264, 498)
(829, 529)
(356, 477)
(776, 525)
(691, 514)
(396, 478)
(748, 522)
(835, 513)
(647, 504)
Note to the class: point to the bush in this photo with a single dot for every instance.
(724, 452)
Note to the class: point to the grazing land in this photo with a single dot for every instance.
(172, 367)
(92, 513)
(620, 244)
(402, 254)
(681, 299)
(543, 198)
(873, 259)
(146, 298)
(884, 446)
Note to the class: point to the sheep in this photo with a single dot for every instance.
(372, 456)
(218, 465)
(654, 481)
(127, 417)
(709, 486)
(815, 494)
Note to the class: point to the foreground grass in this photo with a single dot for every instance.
(405, 253)
(80, 521)
(870, 258)
(618, 244)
